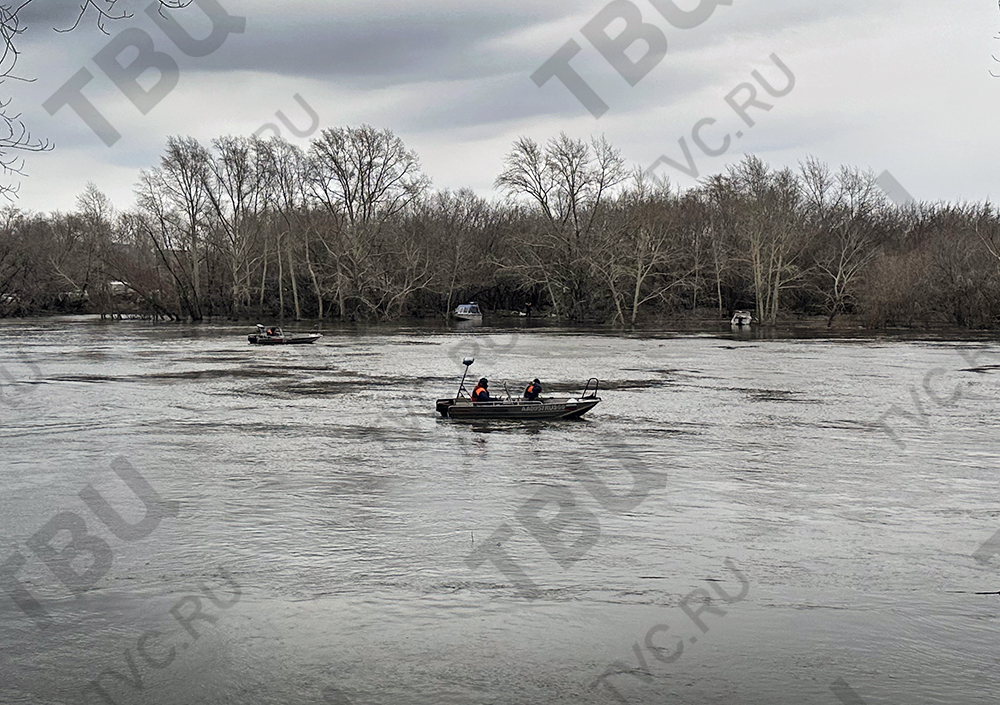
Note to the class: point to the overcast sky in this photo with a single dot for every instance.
(881, 84)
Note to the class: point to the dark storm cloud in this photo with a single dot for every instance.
(379, 44)
(456, 77)
(61, 14)
(377, 51)
(47, 14)
(446, 44)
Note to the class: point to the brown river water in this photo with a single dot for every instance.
(784, 518)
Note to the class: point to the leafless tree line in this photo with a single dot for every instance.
(350, 228)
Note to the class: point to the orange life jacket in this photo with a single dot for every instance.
(478, 390)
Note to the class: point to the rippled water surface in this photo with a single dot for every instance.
(743, 519)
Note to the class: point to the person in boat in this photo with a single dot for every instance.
(481, 393)
(532, 391)
(273, 332)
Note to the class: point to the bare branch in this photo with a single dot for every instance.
(15, 137)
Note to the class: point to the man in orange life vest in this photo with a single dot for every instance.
(481, 393)
(532, 391)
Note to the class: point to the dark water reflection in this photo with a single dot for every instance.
(326, 517)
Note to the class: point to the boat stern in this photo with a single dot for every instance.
(443, 405)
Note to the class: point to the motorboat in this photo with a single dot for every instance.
(275, 336)
(515, 409)
(742, 319)
(468, 312)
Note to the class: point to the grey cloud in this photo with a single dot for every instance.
(376, 50)
(378, 45)
(514, 97)
(60, 14)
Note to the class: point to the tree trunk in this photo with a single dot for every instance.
(281, 280)
(315, 281)
(295, 286)
(263, 286)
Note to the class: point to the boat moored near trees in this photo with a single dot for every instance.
(742, 319)
(468, 312)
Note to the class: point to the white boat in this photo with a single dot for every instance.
(742, 319)
(468, 312)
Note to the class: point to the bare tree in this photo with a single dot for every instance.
(765, 211)
(722, 242)
(238, 184)
(986, 226)
(363, 178)
(640, 251)
(174, 200)
(363, 175)
(568, 183)
(460, 226)
(14, 265)
(293, 224)
(845, 211)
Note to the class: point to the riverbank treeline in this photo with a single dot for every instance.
(350, 228)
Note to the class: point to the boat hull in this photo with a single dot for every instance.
(287, 340)
(516, 410)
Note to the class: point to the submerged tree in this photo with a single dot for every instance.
(763, 208)
(173, 211)
(364, 179)
(847, 212)
(641, 248)
(238, 184)
(568, 184)
(243, 224)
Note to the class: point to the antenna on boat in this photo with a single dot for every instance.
(467, 361)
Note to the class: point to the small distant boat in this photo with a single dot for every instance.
(462, 407)
(276, 336)
(468, 312)
(742, 319)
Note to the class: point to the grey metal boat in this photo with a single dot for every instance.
(276, 336)
(514, 409)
